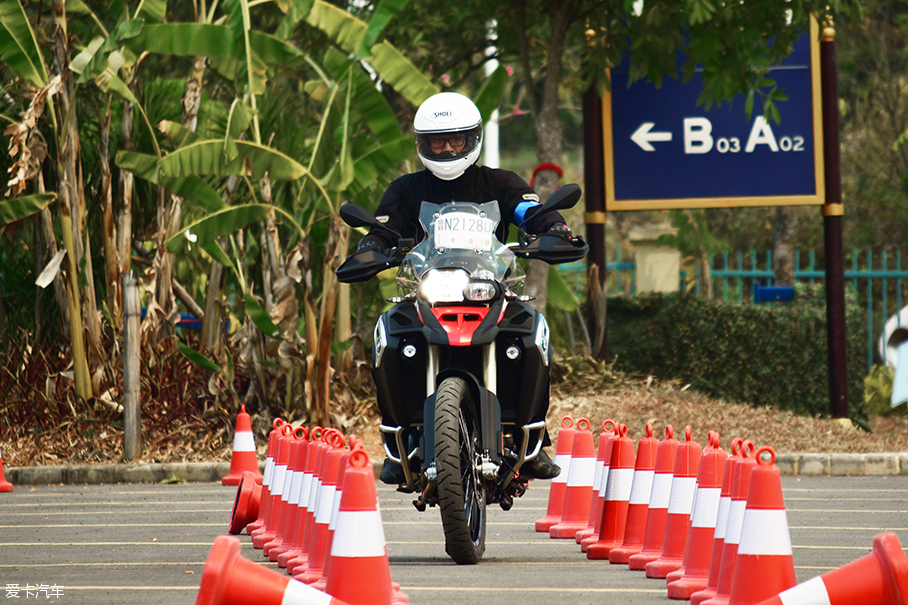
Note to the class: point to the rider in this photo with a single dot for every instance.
(448, 129)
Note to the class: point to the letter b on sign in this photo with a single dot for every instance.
(697, 135)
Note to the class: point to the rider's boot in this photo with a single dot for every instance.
(391, 473)
(540, 467)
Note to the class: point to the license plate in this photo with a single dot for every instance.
(464, 231)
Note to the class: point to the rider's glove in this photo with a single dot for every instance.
(561, 230)
(365, 245)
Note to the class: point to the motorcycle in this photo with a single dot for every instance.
(461, 361)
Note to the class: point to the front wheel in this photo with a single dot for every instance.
(458, 463)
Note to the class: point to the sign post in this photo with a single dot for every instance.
(663, 151)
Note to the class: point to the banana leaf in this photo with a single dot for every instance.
(206, 158)
(216, 224)
(346, 30)
(489, 97)
(260, 318)
(198, 359)
(192, 189)
(296, 12)
(18, 208)
(384, 12)
(397, 71)
(19, 48)
(560, 293)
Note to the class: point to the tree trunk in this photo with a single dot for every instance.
(124, 217)
(68, 195)
(785, 226)
(337, 240)
(111, 258)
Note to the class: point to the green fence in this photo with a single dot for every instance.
(877, 279)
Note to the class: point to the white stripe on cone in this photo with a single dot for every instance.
(325, 505)
(735, 521)
(277, 481)
(269, 472)
(603, 485)
(662, 490)
(765, 532)
(811, 592)
(642, 488)
(706, 508)
(296, 488)
(722, 518)
(682, 498)
(620, 481)
(243, 441)
(358, 534)
(298, 593)
(582, 471)
(563, 461)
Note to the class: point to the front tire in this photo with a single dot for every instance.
(457, 460)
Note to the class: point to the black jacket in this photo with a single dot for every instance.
(479, 184)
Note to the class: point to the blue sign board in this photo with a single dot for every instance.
(663, 151)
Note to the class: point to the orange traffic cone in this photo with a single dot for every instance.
(638, 505)
(266, 532)
(658, 503)
(360, 572)
(880, 578)
(617, 497)
(322, 582)
(5, 486)
(246, 504)
(739, 488)
(324, 508)
(266, 477)
(698, 551)
(230, 579)
(603, 488)
(602, 461)
(680, 504)
(765, 566)
(289, 500)
(559, 484)
(244, 456)
(715, 561)
(576, 511)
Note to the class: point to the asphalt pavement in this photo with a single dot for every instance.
(147, 543)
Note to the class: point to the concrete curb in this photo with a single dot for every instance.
(804, 464)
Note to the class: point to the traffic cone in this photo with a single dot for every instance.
(698, 551)
(880, 578)
(603, 489)
(764, 566)
(680, 504)
(246, 504)
(638, 505)
(715, 561)
(230, 579)
(360, 572)
(736, 508)
(306, 513)
(658, 503)
(322, 582)
(289, 500)
(575, 513)
(267, 476)
(324, 509)
(617, 497)
(5, 486)
(266, 532)
(559, 484)
(244, 455)
(602, 461)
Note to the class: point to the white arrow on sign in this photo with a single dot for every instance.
(643, 137)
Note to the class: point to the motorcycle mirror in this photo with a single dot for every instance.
(565, 196)
(357, 216)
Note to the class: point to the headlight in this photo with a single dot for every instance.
(443, 286)
(480, 291)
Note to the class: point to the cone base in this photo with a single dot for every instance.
(684, 588)
(584, 534)
(601, 550)
(6, 486)
(702, 595)
(639, 561)
(622, 554)
(660, 568)
(547, 522)
(564, 531)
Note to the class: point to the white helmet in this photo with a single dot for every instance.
(448, 113)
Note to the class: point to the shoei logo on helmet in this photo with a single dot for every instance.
(443, 114)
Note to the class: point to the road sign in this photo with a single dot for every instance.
(663, 151)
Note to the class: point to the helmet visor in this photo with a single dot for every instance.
(449, 145)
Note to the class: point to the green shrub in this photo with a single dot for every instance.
(765, 355)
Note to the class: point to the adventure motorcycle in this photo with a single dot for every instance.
(461, 361)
